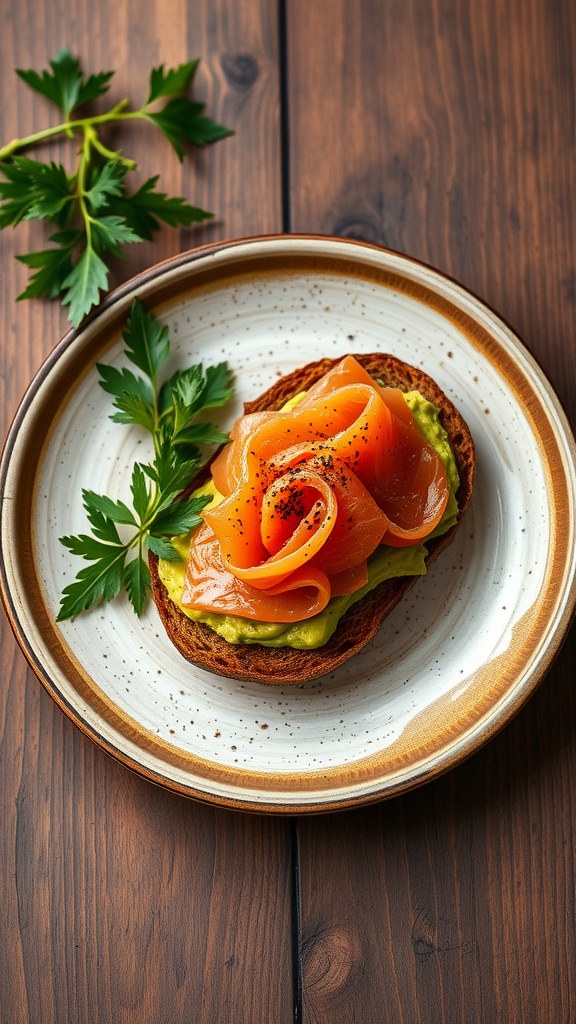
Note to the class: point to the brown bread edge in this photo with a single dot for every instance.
(284, 665)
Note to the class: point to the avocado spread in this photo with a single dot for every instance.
(384, 564)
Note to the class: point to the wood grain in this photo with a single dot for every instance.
(119, 902)
(456, 902)
(446, 130)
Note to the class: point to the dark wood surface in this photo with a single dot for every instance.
(445, 129)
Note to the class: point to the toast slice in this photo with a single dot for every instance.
(282, 665)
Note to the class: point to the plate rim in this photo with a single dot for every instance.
(147, 279)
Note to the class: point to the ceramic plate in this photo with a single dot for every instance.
(456, 658)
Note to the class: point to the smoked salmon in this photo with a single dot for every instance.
(308, 496)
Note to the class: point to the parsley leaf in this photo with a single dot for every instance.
(147, 341)
(179, 518)
(33, 191)
(65, 84)
(137, 582)
(105, 182)
(100, 581)
(158, 512)
(95, 198)
(133, 396)
(144, 209)
(81, 288)
(182, 120)
(51, 268)
(172, 82)
(108, 233)
(163, 548)
(117, 511)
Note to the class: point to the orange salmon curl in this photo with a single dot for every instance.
(309, 494)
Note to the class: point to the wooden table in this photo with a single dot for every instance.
(444, 129)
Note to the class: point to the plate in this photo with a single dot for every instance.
(457, 657)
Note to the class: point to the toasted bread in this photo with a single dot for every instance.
(282, 665)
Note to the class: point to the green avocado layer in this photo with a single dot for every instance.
(386, 562)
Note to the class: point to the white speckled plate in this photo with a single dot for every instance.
(452, 663)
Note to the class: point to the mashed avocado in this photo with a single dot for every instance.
(386, 562)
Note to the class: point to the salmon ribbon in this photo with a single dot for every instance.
(309, 494)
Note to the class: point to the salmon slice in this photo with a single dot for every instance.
(210, 587)
(309, 494)
(227, 467)
(240, 524)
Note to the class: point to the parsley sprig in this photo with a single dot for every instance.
(169, 411)
(91, 208)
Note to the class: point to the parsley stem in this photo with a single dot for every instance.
(110, 154)
(11, 147)
(117, 113)
(83, 165)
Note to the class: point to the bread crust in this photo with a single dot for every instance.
(285, 665)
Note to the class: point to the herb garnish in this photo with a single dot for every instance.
(91, 209)
(169, 412)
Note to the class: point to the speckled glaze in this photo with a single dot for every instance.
(455, 659)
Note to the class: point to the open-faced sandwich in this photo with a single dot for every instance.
(340, 484)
